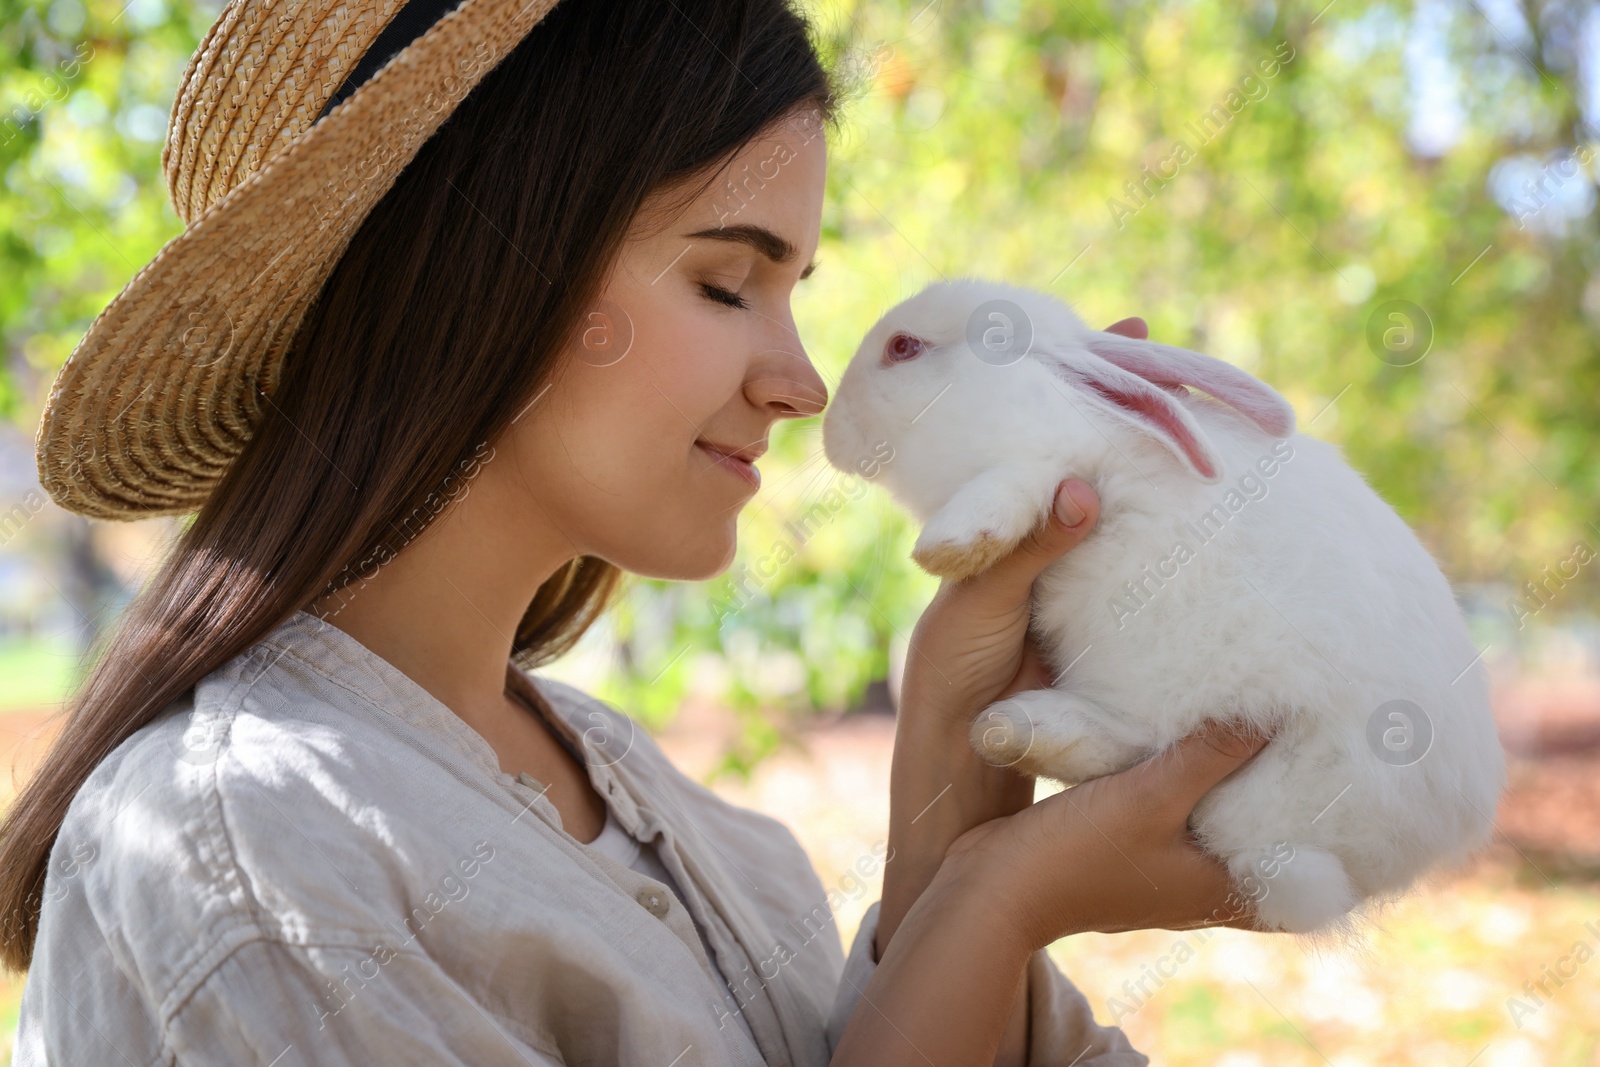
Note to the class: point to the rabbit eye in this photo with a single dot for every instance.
(901, 347)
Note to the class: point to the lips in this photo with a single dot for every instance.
(739, 461)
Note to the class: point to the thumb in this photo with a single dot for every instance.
(1075, 511)
(1188, 769)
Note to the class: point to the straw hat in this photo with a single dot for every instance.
(174, 375)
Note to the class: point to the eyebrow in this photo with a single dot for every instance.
(763, 240)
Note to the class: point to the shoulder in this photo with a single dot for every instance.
(235, 817)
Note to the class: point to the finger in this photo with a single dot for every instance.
(1237, 909)
(1238, 914)
(1069, 522)
(1032, 673)
(1130, 327)
(1231, 916)
(1035, 657)
(1184, 772)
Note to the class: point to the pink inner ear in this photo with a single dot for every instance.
(1155, 409)
(1167, 366)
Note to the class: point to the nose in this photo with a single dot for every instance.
(783, 381)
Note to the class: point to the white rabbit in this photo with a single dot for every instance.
(1238, 570)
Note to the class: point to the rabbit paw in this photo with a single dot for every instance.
(1049, 733)
(1002, 734)
(944, 559)
(978, 527)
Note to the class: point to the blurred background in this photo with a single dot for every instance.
(1386, 210)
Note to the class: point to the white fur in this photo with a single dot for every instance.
(1312, 604)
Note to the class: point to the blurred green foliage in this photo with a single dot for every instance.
(1039, 142)
(85, 93)
(36, 672)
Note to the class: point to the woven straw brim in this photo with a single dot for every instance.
(165, 389)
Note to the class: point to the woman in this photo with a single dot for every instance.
(442, 351)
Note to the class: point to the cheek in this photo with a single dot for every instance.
(625, 483)
(672, 392)
(616, 438)
(680, 373)
(619, 439)
(609, 450)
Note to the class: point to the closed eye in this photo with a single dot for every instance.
(901, 347)
(722, 296)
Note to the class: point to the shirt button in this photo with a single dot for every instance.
(655, 900)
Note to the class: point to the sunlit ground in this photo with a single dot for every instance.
(1432, 989)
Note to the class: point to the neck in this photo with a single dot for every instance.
(445, 610)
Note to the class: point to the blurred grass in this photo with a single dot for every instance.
(10, 1002)
(36, 672)
(36, 675)
(1431, 989)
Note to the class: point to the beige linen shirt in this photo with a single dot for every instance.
(313, 861)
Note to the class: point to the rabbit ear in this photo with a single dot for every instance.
(1168, 367)
(1147, 407)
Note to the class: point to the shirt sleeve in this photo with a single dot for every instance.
(269, 1002)
(1061, 1027)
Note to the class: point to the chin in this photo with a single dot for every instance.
(724, 545)
(701, 559)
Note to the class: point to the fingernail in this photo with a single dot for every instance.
(1068, 513)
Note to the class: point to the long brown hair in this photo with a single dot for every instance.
(444, 316)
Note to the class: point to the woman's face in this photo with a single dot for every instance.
(691, 349)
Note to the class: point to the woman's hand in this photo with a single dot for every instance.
(971, 646)
(969, 649)
(1116, 853)
(1109, 855)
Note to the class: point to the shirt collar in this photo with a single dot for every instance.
(601, 735)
